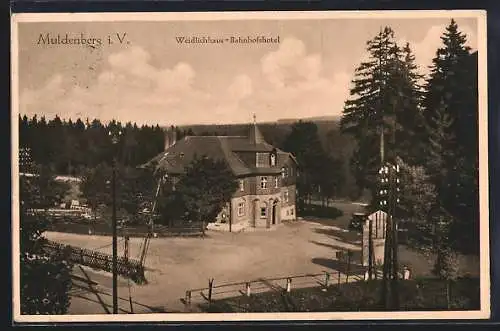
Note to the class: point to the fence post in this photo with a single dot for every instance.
(188, 298)
(406, 273)
(349, 253)
(288, 285)
(210, 287)
(327, 279)
(248, 290)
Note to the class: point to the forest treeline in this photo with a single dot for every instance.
(70, 147)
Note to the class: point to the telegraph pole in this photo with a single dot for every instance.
(395, 267)
(114, 139)
(395, 202)
(115, 242)
(385, 203)
(389, 193)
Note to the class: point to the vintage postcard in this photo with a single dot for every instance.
(250, 166)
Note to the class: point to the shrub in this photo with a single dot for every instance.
(320, 211)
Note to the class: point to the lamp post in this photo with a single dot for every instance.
(115, 135)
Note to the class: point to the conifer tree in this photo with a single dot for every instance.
(303, 142)
(385, 98)
(450, 106)
(409, 116)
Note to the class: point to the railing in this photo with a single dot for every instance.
(126, 267)
(83, 226)
(283, 284)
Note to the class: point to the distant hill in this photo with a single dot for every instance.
(310, 119)
(283, 121)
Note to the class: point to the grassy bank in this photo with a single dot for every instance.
(319, 211)
(418, 295)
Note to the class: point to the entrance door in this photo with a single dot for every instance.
(255, 212)
(273, 220)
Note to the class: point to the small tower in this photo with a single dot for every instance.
(255, 135)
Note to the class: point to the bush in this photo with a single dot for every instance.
(45, 283)
(320, 211)
(425, 294)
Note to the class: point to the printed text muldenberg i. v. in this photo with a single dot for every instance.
(81, 39)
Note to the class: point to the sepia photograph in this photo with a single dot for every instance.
(250, 166)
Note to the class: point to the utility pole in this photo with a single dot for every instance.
(384, 204)
(114, 139)
(389, 192)
(394, 202)
(115, 241)
(370, 249)
(395, 262)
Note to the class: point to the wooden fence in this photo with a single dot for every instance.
(130, 268)
(102, 228)
(283, 284)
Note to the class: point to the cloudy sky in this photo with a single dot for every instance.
(154, 80)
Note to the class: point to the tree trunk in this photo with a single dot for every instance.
(448, 293)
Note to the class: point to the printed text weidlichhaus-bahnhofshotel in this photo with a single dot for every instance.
(230, 40)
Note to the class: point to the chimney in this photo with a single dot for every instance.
(170, 137)
(174, 136)
(167, 139)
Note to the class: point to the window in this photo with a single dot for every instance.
(285, 196)
(241, 208)
(263, 209)
(284, 172)
(276, 182)
(262, 160)
(273, 160)
(242, 185)
(291, 212)
(263, 182)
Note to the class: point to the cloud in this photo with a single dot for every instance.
(131, 88)
(296, 85)
(425, 49)
(290, 64)
(241, 87)
(291, 83)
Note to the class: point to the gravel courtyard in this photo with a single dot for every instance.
(175, 265)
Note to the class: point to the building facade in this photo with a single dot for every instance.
(266, 175)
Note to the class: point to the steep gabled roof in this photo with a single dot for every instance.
(175, 159)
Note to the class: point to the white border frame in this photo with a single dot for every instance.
(480, 15)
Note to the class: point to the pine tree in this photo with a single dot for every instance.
(418, 203)
(303, 142)
(384, 98)
(409, 116)
(451, 93)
